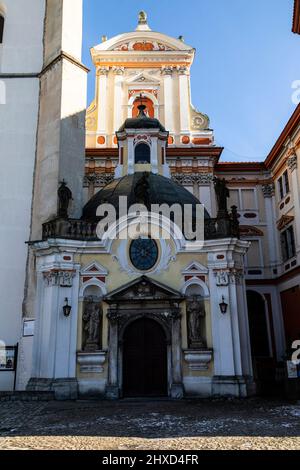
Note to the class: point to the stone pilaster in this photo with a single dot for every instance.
(167, 73)
(176, 386)
(54, 349)
(268, 190)
(184, 100)
(101, 83)
(118, 97)
(230, 332)
(112, 388)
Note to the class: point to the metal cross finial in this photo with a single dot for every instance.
(142, 98)
(143, 17)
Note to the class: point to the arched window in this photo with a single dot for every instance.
(142, 153)
(149, 111)
(1, 28)
(258, 326)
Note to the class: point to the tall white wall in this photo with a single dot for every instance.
(60, 153)
(21, 59)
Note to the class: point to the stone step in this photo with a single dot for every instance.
(26, 396)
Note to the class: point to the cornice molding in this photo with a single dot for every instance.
(63, 56)
(205, 151)
(279, 146)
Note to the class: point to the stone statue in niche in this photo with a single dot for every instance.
(222, 193)
(64, 198)
(92, 319)
(196, 322)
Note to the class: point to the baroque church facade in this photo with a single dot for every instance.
(116, 316)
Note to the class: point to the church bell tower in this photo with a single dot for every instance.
(142, 145)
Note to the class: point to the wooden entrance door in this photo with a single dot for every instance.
(144, 359)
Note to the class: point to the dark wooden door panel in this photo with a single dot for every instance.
(144, 359)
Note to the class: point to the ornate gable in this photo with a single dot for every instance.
(195, 268)
(142, 44)
(284, 221)
(250, 231)
(143, 288)
(94, 269)
(143, 77)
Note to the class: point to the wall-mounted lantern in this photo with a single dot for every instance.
(223, 306)
(67, 308)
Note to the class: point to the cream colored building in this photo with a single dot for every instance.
(150, 314)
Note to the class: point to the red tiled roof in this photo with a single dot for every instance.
(292, 124)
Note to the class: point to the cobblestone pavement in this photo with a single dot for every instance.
(127, 425)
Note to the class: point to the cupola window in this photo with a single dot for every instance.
(142, 154)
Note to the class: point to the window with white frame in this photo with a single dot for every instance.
(288, 247)
(244, 198)
(283, 185)
(254, 255)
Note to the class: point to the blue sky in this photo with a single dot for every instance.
(247, 59)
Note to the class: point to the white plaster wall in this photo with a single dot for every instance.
(72, 27)
(22, 53)
(22, 50)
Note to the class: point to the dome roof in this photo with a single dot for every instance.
(142, 121)
(141, 188)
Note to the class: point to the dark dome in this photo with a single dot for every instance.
(142, 121)
(159, 190)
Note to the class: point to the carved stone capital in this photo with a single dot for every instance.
(118, 70)
(224, 277)
(167, 70)
(59, 278)
(292, 162)
(236, 276)
(97, 179)
(190, 179)
(182, 70)
(268, 189)
(102, 71)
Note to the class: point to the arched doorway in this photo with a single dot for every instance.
(144, 359)
(261, 351)
(258, 325)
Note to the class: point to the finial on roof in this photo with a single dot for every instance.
(143, 22)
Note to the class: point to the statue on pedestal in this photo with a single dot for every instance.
(64, 198)
(91, 317)
(222, 194)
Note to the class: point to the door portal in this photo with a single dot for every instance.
(144, 359)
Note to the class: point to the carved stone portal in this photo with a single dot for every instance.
(196, 322)
(92, 324)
